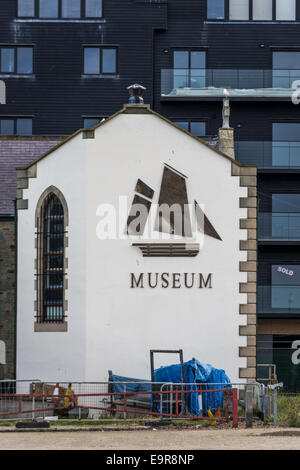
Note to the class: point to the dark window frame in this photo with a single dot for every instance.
(51, 294)
(250, 19)
(226, 13)
(84, 117)
(191, 120)
(60, 17)
(189, 49)
(283, 121)
(281, 192)
(101, 47)
(15, 119)
(15, 47)
(282, 49)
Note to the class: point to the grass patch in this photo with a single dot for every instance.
(7, 423)
(94, 422)
(288, 410)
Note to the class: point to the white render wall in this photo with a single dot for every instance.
(110, 325)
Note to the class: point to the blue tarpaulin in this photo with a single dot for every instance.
(196, 373)
(136, 386)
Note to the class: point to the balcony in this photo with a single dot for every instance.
(278, 300)
(278, 226)
(269, 155)
(241, 83)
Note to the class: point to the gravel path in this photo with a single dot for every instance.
(198, 439)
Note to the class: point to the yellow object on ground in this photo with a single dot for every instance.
(210, 415)
(67, 397)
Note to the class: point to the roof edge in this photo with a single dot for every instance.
(135, 109)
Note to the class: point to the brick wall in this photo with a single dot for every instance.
(7, 282)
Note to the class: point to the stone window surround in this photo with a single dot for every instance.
(59, 326)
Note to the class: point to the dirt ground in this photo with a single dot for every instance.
(196, 439)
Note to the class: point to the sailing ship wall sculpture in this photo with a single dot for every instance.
(173, 217)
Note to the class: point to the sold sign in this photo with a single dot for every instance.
(286, 271)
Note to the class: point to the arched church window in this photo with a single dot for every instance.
(51, 265)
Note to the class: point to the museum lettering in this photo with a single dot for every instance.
(171, 280)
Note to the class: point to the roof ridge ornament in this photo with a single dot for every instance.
(136, 93)
(226, 109)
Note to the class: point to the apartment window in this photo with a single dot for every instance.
(286, 60)
(285, 287)
(93, 8)
(262, 10)
(90, 122)
(26, 8)
(253, 10)
(285, 10)
(197, 128)
(215, 9)
(100, 60)
(286, 69)
(71, 8)
(52, 9)
(189, 69)
(286, 132)
(51, 233)
(15, 126)
(48, 8)
(239, 9)
(16, 59)
(283, 223)
(286, 144)
(286, 203)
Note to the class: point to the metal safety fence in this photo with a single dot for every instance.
(228, 403)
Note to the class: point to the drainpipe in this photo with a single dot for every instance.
(15, 289)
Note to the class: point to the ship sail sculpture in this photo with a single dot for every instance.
(173, 217)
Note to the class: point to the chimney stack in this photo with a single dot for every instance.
(226, 133)
(136, 93)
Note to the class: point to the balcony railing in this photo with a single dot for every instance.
(268, 154)
(278, 300)
(278, 226)
(263, 83)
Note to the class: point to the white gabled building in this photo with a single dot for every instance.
(92, 298)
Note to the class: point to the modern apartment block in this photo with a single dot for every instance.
(67, 63)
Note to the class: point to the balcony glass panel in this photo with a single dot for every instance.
(269, 154)
(183, 81)
(189, 78)
(286, 154)
(285, 78)
(278, 226)
(285, 297)
(272, 300)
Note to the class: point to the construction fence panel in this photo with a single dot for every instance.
(17, 399)
(85, 400)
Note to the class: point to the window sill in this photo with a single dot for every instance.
(51, 327)
(92, 75)
(58, 20)
(17, 75)
(288, 22)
